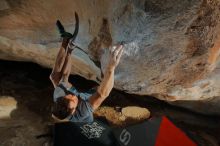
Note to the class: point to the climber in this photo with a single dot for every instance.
(69, 104)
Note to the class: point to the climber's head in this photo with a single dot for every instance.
(65, 106)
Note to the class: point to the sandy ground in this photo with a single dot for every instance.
(26, 97)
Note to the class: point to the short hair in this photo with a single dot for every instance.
(60, 108)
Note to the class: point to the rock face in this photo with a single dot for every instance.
(171, 52)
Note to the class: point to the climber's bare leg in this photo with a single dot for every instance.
(56, 74)
(66, 70)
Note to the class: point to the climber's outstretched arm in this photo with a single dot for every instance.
(107, 83)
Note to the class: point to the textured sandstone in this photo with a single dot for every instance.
(171, 52)
(135, 112)
(7, 105)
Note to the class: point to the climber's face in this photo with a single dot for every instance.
(73, 102)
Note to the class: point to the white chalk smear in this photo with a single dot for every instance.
(131, 48)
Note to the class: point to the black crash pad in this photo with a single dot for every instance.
(97, 133)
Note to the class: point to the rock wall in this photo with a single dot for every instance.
(171, 52)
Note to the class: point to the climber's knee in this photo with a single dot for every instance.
(55, 78)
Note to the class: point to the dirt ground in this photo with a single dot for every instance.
(25, 104)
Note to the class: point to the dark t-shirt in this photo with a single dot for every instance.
(84, 111)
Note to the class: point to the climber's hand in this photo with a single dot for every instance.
(114, 56)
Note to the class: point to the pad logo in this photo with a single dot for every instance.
(92, 130)
(125, 137)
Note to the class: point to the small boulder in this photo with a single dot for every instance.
(136, 113)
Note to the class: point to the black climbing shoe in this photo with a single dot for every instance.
(68, 35)
(62, 31)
